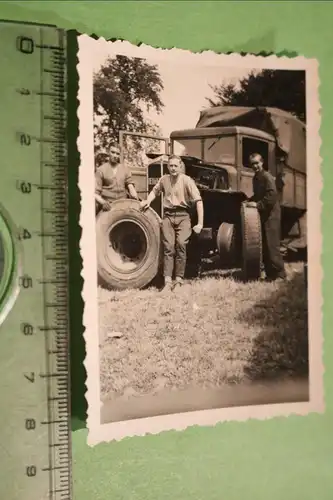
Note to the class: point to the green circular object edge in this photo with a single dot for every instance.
(9, 286)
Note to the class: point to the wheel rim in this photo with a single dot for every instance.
(127, 246)
(8, 266)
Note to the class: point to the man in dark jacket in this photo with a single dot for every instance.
(266, 199)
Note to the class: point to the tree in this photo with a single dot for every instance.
(284, 89)
(124, 89)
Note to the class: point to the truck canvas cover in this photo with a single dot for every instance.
(289, 132)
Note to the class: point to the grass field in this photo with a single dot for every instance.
(213, 331)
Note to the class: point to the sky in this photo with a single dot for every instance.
(185, 92)
(186, 87)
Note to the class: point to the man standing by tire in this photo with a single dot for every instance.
(112, 181)
(180, 192)
(266, 200)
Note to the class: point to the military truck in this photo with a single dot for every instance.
(215, 154)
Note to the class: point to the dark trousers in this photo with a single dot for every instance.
(176, 232)
(272, 258)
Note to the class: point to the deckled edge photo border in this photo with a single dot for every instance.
(98, 432)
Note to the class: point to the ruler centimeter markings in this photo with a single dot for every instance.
(47, 186)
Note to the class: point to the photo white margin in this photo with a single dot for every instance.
(98, 432)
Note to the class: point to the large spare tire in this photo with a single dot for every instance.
(251, 242)
(128, 243)
(226, 241)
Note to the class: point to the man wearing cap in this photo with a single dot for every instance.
(266, 199)
(113, 181)
(180, 193)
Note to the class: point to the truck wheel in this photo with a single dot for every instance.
(251, 243)
(226, 244)
(128, 245)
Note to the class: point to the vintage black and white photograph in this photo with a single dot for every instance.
(200, 190)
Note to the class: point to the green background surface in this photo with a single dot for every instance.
(289, 458)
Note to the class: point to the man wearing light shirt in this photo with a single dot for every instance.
(179, 194)
(113, 180)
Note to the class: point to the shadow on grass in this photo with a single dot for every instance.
(281, 347)
(234, 274)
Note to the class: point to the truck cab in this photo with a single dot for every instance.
(229, 149)
(217, 159)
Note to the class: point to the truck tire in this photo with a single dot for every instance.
(128, 244)
(226, 244)
(251, 243)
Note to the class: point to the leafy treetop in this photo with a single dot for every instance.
(284, 89)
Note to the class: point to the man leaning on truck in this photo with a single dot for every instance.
(266, 199)
(180, 192)
(113, 180)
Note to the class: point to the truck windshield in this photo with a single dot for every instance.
(221, 149)
(187, 147)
